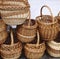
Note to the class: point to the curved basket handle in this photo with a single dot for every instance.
(12, 39)
(49, 10)
(59, 13)
(38, 38)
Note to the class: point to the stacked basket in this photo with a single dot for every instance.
(14, 12)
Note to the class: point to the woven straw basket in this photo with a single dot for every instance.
(3, 32)
(14, 14)
(12, 51)
(58, 18)
(35, 51)
(53, 48)
(27, 31)
(48, 26)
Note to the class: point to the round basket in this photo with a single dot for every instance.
(12, 51)
(3, 36)
(2, 26)
(35, 51)
(58, 18)
(27, 31)
(53, 48)
(48, 26)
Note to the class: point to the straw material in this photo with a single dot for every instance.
(26, 32)
(2, 25)
(58, 18)
(48, 25)
(3, 36)
(53, 48)
(35, 51)
(12, 51)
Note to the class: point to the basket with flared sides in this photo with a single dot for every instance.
(27, 31)
(35, 51)
(48, 25)
(12, 51)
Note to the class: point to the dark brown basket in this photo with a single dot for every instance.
(58, 18)
(35, 51)
(27, 31)
(48, 25)
(12, 51)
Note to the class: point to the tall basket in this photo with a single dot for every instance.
(12, 51)
(14, 12)
(58, 18)
(48, 25)
(35, 51)
(27, 31)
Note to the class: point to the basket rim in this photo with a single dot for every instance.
(30, 27)
(41, 22)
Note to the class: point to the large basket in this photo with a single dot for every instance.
(12, 51)
(53, 48)
(27, 31)
(35, 51)
(58, 18)
(48, 26)
(3, 36)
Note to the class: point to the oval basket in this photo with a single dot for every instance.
(35, 51)
(53, 48)
(12, 51)
(58, 18)
(3, 36)
(27, 31)
(48, 26)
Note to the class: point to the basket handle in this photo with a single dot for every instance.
(49, 10)
(12, 39)
(59, 13)
(29, 18)
(38, 38)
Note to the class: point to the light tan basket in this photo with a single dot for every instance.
(58, 18)
(27, 31)
(53, 48)
(35, 51)
(3, 36)
(48, 26)
(12, 51)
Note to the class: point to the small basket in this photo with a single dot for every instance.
(58, 18)
(35, 51)
(3, 36)
(53, 48)
(27, 31)
(2, 26)
(12, 51)
(48, 26)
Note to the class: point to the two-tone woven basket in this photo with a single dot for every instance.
(13, 14)
(3, 32)
(48, 25)
(58, 18)
(12, 51)
(35, 51)
(53, 48)
(27, 31)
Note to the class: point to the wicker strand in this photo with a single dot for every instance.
(49, 10)
(59, 13)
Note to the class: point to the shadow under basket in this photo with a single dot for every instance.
(11, 50)
(53, 48)
(35, 51)
(25, 32)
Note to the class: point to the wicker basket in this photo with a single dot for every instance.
(3, 36)
(27, 31)
(35, 51)
(48, 25)
(53, 48)
(12, 51)
(58, 18)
